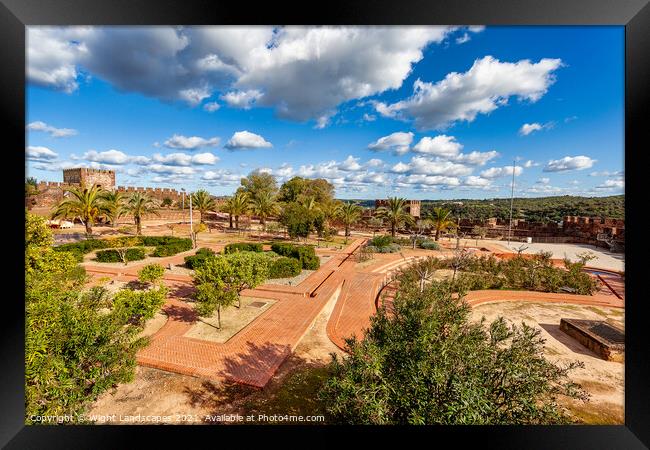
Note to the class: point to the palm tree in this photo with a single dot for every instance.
(441, 220)
(263, 206)
(331, 210)
(85, 203)
(310, 204)
(114, 204)
(238, 206)
(395, 213)
(350, 214)
(203, 201)
(227, 208)
(139, 205)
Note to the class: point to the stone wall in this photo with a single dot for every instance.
(89, 177)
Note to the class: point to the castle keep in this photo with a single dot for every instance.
(88, 177)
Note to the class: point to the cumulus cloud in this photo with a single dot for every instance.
(488, 84)
(52, 131)
(399, 142)
(530, 163)
(497, 172)
(569, 163)
(612, 184)
(544, 180)
(303, 73)
(423, 165)
(246, 139)
(211, 106)
(38, 153)
(476, 158)
(474, 181)
(529, 128)
(369, 117)
(241, 99)
(190, 143)
(607, 173)
(441, 145)
(107, 157)
(462, 39)
(183, 159)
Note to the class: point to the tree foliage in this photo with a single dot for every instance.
(426, 363)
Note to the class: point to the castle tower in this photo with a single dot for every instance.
(88, 177)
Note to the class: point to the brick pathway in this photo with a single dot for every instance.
(254, 354)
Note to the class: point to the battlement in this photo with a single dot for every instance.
(412, 206)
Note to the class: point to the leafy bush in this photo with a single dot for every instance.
(154, 241)
(138, 306)
(284, 267)
(304, 253)
(173, 248)
(132, 254)
(429, 245)
(390, 248)
(196, 260)
(83, 247)
(381, 241)
(151, 273)
(242, 247)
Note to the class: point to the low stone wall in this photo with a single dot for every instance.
(600, 337)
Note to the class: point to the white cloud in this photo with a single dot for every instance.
(528, 128)
(530, 163)
(52, 131)
(38, 153)
(612, 184)
(211, 106)
(488, 84)
(497, 172)
(422, 165)
(462, 39)
(476, 28)
(476, 158)
(369, 117)
(221, 177)
(206, 158)
(544, 180)
(474, 181)
(442, 145)
(569, 163)
(171, 170)
(190, 143)
(107, 157)
(399, 142)
(350, 164)
(241, 99)
(375, 162)
(246, 139)
(427, 180)
(302, 72)
(607, 173)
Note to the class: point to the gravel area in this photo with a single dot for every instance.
(604, 259)
(293, 281)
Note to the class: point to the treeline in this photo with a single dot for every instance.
(540, 209)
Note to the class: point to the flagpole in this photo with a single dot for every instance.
(512, 197)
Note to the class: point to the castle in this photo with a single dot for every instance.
(412, 206)
(51, 192)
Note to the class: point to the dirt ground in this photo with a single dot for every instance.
(232, 320)
(603, 380)
(157, 396)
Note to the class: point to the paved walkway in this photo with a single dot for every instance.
(253, 354)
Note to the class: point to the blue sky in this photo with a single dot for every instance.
(421, 112)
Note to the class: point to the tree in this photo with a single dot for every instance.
(200, 228)
(298, 221)
(85, 203)
(122, 246)
(480, 232)
(203, 201)
(257, 184)
(166, 202)
(395, 214)
(237, 206)
(138, 205)
(31, 190)
(263, 205)
(114, 204)
(426, 362)
(151, 273)
(418, 230)
(350, 213)
(229, 275)
(441, 220)
(77, 343)
(297, 189)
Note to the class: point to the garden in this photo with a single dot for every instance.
(127, 248)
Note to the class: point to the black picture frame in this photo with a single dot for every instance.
(633, 14)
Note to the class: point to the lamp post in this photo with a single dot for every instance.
(512, 197)
(191, 227)
(183, 191)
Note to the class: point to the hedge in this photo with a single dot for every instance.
(196, 260)
(391, 248)
(429, 245)
(242, 247)
(304, 253)
(132, 254)
(284, 267)
(182, 245)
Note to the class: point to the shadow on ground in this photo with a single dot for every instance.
(566, 340)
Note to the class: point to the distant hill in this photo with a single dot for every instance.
(540, 209)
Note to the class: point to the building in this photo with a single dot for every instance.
(88, 177)
(413, 206)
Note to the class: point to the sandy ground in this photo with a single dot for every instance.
(603, 380)
(604, 259)
(232, 321)
(159, 396)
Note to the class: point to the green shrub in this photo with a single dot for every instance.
(429, 245)
(173, 248)
(304, 253)
(242, 247)
(390, 248)
(138, 306)
(284, 267)
(381, 241)
(132, 254)
(196, 260)
(151, 273)
(83, 247)
(154, 241)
